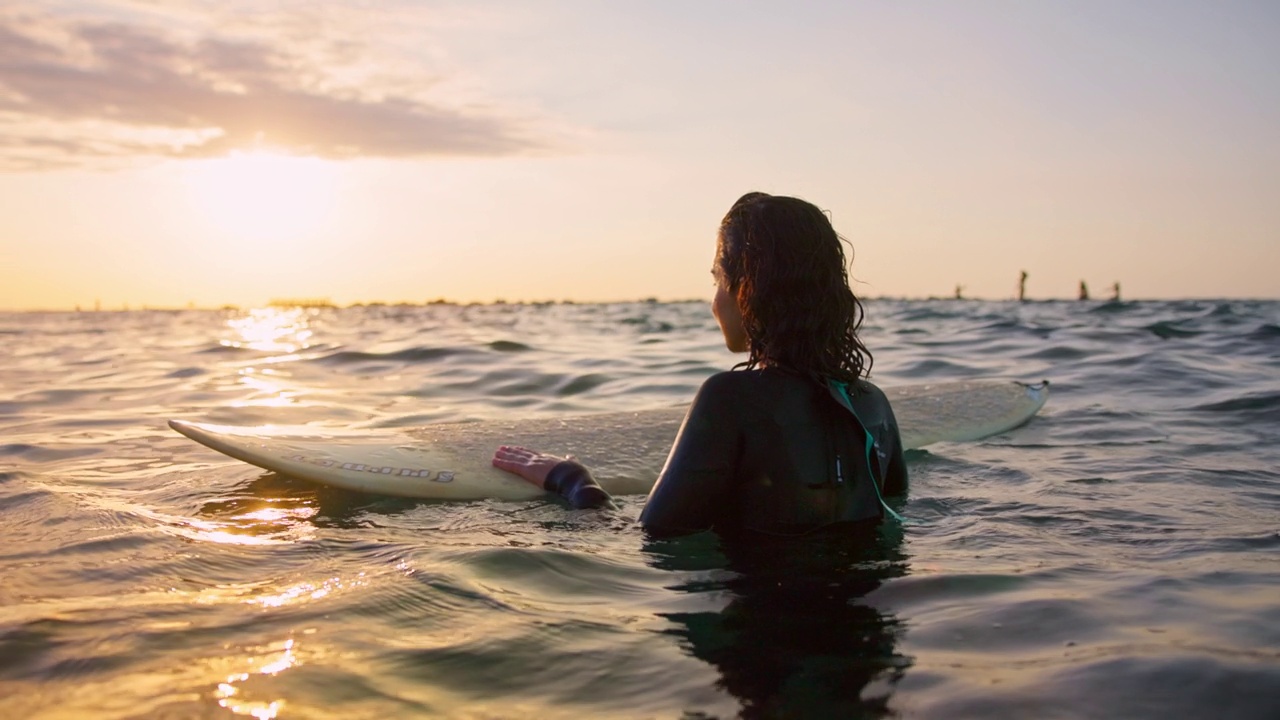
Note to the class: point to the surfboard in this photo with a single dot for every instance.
(624, 450)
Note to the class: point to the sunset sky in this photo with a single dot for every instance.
(173, 152)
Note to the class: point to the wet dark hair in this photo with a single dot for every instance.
(784, 262)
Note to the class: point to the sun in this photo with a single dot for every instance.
(262, 197)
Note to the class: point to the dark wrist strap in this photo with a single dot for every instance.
(572, 481)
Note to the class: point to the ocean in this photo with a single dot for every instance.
(1117, 557)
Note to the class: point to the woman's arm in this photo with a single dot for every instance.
(564, 476)
(895, 476)
(693, 491)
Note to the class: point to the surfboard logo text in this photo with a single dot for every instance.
(444, 476)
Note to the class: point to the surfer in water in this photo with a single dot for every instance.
(792, 439)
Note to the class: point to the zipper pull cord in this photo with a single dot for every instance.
(843, 390)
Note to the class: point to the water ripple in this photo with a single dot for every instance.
(1113, 558)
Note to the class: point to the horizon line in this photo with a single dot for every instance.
(326, 304)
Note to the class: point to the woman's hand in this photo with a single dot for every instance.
(528, 464)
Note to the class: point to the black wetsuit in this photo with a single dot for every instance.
(770, 451)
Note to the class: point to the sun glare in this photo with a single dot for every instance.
(264, 197)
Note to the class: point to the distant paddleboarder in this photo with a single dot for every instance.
(1022, 287)
(1084, 291)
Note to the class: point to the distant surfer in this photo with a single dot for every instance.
(794, 438)
(1084, 291)
(1022, 287)
(1115, 292)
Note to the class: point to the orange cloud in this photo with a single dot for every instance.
(80, 93)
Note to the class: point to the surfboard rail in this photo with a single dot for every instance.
(451, 461)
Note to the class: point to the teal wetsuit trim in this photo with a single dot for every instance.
(843, 390)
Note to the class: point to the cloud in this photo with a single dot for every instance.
(85, 92)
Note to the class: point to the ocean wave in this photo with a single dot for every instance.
(407, 355)
(1115, 547)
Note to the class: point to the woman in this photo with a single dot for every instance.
(793, 439)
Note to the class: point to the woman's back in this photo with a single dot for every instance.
(774, 451)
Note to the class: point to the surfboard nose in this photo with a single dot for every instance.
(182, 426)
(187, 429)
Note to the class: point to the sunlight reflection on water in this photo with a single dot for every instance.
(1111, 559)
(227, 693)
(309, 591)
(271, 330)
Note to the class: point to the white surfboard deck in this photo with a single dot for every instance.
(625, 450)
